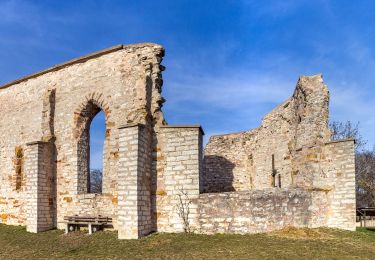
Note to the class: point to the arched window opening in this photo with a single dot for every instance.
(97, 138)
(90, 133)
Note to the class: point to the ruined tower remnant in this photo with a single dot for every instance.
(290, 155)
(287, 172)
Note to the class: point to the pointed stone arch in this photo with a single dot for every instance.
(91, 105)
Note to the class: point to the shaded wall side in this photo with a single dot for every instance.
(134, 205)
(227, 164)
(41, 207)
(243, 161)
(145, 221)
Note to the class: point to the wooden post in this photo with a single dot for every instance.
(364, 219)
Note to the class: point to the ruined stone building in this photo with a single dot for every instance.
(287, 172)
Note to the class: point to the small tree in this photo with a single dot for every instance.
(348, 130)
(365, 178)
(364, 162)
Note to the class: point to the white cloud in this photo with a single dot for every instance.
(231, 91)
(247, 94)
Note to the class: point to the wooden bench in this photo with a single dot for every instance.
(73, 223)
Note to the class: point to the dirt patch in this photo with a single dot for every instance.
(301, 233)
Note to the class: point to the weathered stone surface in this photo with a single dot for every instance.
(254, 211)
(151, 168)
(178, 165)
(58, 105)
(291, 149)
(243, 161)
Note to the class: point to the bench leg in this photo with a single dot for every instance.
(67, 228)
(90, 229)
(95, 229)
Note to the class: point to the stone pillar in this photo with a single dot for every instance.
(183, 152)
(342, 212)
(182, 161)
(134, 205)
(39, 187)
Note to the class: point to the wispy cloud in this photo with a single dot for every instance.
(227, 70)
(354, 104)
(230, 91)
(20, 14)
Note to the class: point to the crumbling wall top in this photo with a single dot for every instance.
(131, 47)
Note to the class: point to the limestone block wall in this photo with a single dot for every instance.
(259, 211)
(57, 105)
(19, 124)
(341, 172)
(284, 173)
(328, 171)
(134, 188)
(178, 160)
(41, 192)
(328, 200)
(254, 211)
(291, 149)
(13, 197)
(264, 157)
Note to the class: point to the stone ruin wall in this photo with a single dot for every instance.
(179, 154)
(44, 135)
(330, 203)
(57, 107)
(44, 143)
(243, 161)
(290, 151)
(254, 211)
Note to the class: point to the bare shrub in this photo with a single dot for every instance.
(96, 181)
(347, 130)
(183, 209)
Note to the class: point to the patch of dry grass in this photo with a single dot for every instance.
(302, 233)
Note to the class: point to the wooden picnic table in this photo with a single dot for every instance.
(365, 212)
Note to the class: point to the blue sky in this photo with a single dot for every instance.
(228, 62)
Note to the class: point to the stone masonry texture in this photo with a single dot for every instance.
(292, 149)
(287, 172)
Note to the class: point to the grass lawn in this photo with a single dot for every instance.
(16, 243)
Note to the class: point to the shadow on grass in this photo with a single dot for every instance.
(366, 229)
